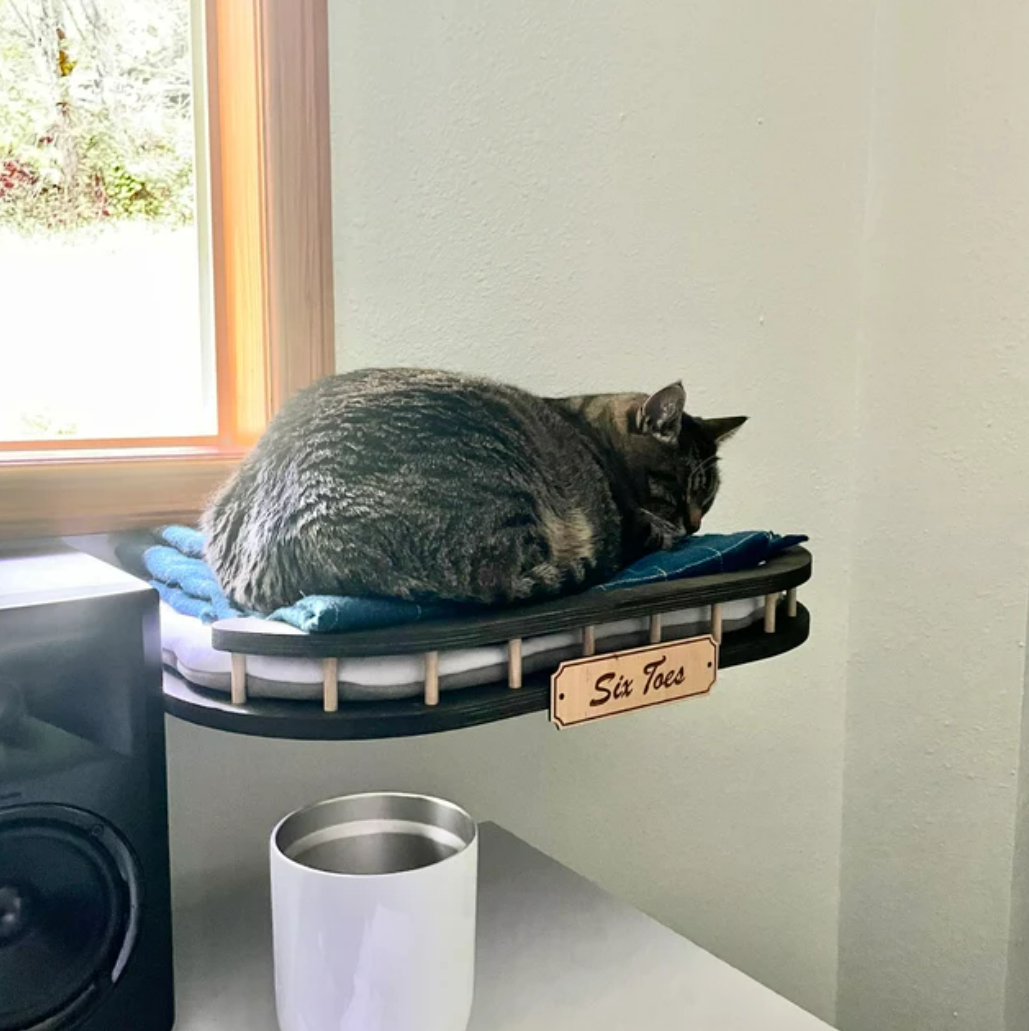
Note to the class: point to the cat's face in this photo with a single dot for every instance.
(672, 458)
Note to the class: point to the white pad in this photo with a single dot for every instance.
(186, 645)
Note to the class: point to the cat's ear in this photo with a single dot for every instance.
(723, 429)
(661, 414)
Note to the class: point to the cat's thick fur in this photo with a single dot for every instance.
(429, 485)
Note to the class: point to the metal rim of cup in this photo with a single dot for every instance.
(298, 815)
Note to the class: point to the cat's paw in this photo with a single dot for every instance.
(663, 534)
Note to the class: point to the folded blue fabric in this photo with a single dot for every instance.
(325, 614)
(189, 586)
(186, 583)
(185, 539)
(704, 555)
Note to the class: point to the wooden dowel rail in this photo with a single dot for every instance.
(514, 662)
(330, 685)
(655, 628)
(432, 678)
(589, 641)
(238, 679)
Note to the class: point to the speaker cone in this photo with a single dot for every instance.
(66, 908)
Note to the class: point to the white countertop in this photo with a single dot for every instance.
(554, 952)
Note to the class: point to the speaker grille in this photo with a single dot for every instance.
(67, 899)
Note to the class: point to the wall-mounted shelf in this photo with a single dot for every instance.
(785, 626)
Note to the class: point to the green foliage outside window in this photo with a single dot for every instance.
(95, 113)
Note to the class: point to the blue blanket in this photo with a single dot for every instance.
(188, 585)
(704, 555)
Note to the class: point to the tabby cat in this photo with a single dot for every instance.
(426, 485)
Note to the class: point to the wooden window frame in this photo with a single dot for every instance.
(271, 240)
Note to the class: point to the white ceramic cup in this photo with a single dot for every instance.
(373, 914)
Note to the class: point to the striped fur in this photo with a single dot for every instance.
(433, 486)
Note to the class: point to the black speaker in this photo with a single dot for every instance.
(85, 918)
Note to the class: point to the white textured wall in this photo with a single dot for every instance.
(942, 538)
(609, 196)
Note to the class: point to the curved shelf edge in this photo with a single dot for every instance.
(466, 707)
(787, 570)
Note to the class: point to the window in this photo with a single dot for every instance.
(99, 222)
(178, 287)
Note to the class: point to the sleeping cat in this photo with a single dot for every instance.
(425, 485)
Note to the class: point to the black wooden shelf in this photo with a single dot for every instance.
(471, 706)
(410, 717)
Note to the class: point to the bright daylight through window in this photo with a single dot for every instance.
(103, 256)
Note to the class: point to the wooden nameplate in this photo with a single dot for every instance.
(584, 690)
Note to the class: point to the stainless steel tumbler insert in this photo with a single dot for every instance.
(375, 834)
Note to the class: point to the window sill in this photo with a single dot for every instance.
(50, 495)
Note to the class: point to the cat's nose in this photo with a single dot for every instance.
(694, 517)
